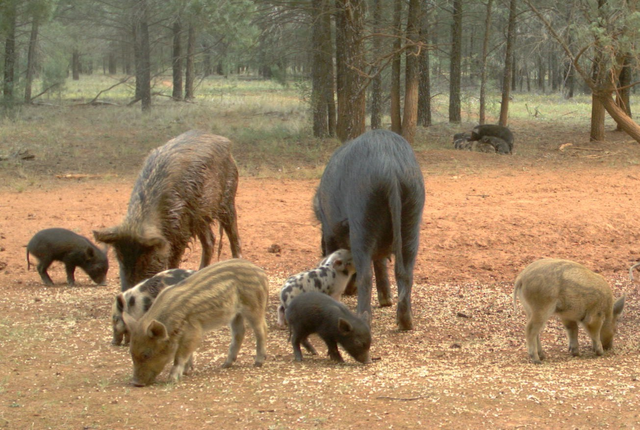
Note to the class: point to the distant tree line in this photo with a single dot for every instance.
(364, 59)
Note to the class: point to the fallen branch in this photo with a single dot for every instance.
(401, 399)
(79, 176)
(122, 81)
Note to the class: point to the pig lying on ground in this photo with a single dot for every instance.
(499, 145)
(139, 299)
(228, 292)
(574, 293)
(184, 186)
(330, 277)
(314, 312)
(461, 141)
(59, 244)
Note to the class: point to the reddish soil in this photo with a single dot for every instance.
(464, 365)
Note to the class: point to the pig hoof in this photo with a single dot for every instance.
(227, 364)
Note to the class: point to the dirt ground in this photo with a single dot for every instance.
(463, 366)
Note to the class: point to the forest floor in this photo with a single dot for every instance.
(463, 366)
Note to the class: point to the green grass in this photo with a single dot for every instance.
(268, 123)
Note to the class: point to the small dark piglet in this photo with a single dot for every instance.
(314, 312)
(59, 244)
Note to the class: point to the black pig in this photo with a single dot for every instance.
(479, 131)
(59, 244)
(370, 201)
(314, 312)
(183, 187)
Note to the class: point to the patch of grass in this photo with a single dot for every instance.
(268, 123)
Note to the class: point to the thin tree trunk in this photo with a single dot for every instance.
(424, 86)
(483, 71)
(410, 115)
(318, 105)
(351, 115)
(31, 59)
(622, 93)
(75, 65)
(176, 56)
(9, 55)
(190, 69)
(376, 83)
(396, 64)
(511, 34)
(143, 71)
(455, 63)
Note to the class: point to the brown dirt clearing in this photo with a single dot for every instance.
(464, 365)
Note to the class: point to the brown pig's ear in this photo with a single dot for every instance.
(107, 235)
(129, 321)
(157, 330)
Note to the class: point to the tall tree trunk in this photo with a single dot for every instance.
(455, 63)
(190, 70)
(143, 65)
(112, 63)
(511, 34)
(329, 80)
(75, 64)
(376, 83)
(351, 114)
(597, 108)
(396, 64)
(176, 57)
(31, 59)
(483, 68)
(410, 114)
(622, 93)
(322, 104)
(424, 85)
(9, 55)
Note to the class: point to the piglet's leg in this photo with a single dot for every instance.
(237, 336)
(183, 358)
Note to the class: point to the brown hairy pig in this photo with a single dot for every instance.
(137, 300)
(184, 186)
(574, 293)
(228, 292)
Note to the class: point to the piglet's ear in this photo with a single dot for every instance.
(337, 263)
(619, 305)
(120, 302)
(158, 331)
(344, 326)
(129, 321)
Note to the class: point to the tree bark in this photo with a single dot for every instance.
(410, 115)
(9, 55)
(455, 63)
(143, 63)
(190, 69)
(376, 83)
(424, 85)
(351, 114)
(396, 64)
(322, 103)
(176, 56)
(506, 83)
(75, 64)
(483, 69)
(623, 90)
(31, 58)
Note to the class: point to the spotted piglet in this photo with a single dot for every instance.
(330, 277)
